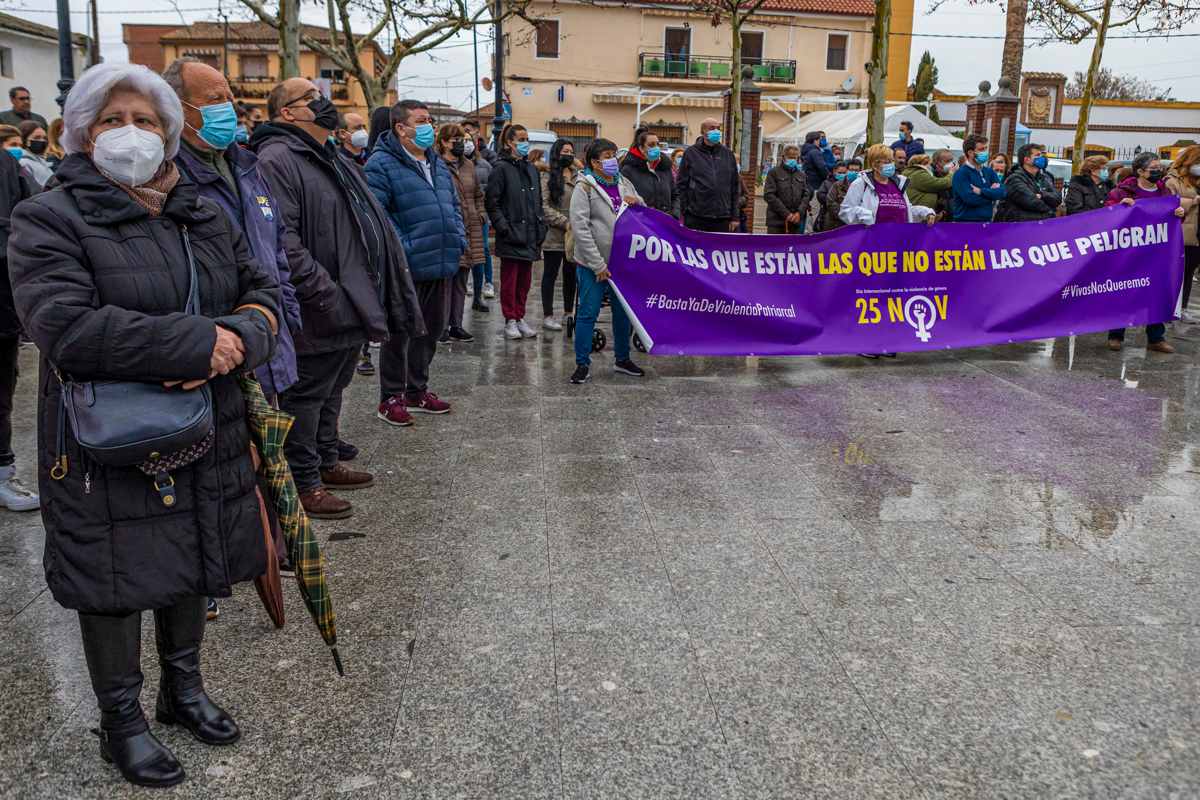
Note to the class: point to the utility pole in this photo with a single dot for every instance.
(498, 78)
(877, 72)
(94, 49)
(66, 55)
(475, 50)
(225, 38)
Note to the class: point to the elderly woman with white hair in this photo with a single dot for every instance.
(135, 287)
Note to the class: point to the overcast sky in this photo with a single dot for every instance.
(448, 74)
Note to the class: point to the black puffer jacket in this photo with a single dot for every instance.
(100, 287)
(12, 191)
(514, 206)
(1028, 198)
(785, 191)
(709, 184)
(1084, 194)
(656, 186)
(331, 226)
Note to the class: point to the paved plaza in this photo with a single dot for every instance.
(969, 574)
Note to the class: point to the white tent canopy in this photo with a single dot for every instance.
(849, 129)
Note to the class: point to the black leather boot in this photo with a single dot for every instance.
(112, 646)
(178, 631)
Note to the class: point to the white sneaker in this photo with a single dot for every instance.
(489, 292)
(511, 331)
(1190, 319)
(551, 323)
(470, 291)
(525, 330)
(13, 495)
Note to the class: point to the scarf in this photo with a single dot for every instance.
(152, 195)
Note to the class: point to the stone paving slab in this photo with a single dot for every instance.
(954, 575)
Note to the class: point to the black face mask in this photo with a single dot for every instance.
(565, 160)
(325, 113)
(38, 146)
(457, 150)
(1155, 176)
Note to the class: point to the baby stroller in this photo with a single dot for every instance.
(599, 340)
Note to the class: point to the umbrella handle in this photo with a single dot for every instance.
(337, 660)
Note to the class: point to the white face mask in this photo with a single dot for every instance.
(468, 147)
(359, 139)
(1195, 170)
(128, 155)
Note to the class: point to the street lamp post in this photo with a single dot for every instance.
(66, 55)
(498, 78)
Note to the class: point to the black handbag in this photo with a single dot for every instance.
(137, 423)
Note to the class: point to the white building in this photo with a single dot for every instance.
(29, 58)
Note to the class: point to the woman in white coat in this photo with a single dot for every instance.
(599, 193)
(878, 194)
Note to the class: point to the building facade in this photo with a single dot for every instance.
(249, 57)
(591, 68)
(29, 58)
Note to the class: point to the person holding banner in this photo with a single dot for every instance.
(1086, 191)
(787, 193)
(595, 203)
(924, 188)
(1145, 182)
(878, 194)
(1183, 180)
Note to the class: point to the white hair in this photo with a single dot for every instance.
(90, 94)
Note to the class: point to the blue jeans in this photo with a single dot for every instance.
(486, 267)
(477, 283)
(1155, 332)
(591, 292)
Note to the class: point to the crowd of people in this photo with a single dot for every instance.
(162, 234)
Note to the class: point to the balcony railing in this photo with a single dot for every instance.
(676, 66)
(257, 87)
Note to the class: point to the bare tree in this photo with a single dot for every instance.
(1014, 41)
(1109, 85)
(1077, 20)
(414, 26)
(877, 71)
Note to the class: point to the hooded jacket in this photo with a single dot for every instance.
(1128, 190)
(557, 215)
(785, 192)
(470, 201)
(514, 205)
(815, 167)
(656, 186)
(593, 220)
(253, 213)
(427, 217)
(709, 185)
(924, 188)
(323, 202)
(1028, 198)
(101, 286)
(12, 191)
(1084, 194)
(862, 201)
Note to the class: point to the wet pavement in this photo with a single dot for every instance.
(962, 575)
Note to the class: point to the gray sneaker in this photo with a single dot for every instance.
(13, 494)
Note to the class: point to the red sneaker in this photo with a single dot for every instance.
(393, 412)
(428, 403)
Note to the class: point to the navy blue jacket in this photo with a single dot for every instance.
(965, 205)
(913, 147)
(816, 169)
(255, 217)
(428, 218)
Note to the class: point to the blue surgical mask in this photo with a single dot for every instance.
(714, 136)
(791, 164)
(16, 152)
(824, 143)
(610, 167)
(1104, 174)
(1041, 162)
(852, 175)
(424, 136)
(653, 154)
(887, 170)
(219, 128)
(839, 176)
(242, 136)
(982, 158)
(523, 148)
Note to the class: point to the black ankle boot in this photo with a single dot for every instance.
(112, 646)
(181, 696)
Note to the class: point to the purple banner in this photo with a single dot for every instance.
(891, 288)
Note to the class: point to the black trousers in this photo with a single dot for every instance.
(316, 402)
(708, 224)
(552, 262)
(404, 360)
(10, 347)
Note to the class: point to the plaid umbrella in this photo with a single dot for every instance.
(269, 427)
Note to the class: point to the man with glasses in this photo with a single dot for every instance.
(21, 111)
(414, 185)
(350, 275)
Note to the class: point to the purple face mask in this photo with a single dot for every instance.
(610, 167)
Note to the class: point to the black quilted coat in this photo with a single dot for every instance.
(100, 286)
